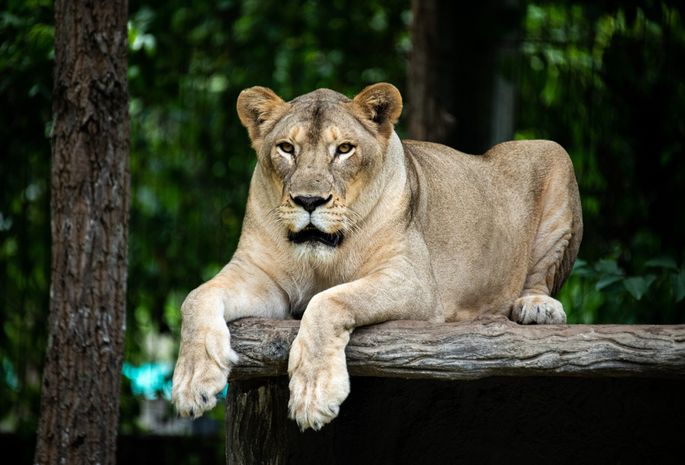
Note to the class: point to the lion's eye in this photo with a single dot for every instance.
(344, 148)
(286, 147)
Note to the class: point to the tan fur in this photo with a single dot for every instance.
(429, 233)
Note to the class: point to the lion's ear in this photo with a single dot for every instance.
(381, 104)
(257, 107)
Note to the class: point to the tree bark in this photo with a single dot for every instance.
(256, 409)
(90, 198)
(457, 93)
(467, 351)
(428, 117)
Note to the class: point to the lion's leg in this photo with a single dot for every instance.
(205, 356)
(319, 381)
(535, 305)
(552, 256)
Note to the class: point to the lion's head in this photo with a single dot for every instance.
(322, 152)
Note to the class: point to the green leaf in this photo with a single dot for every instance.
(580, 263)
(608, 266)
(607, 281)
(638, 285)
(679, 285)
(581, 268)
(662, 262)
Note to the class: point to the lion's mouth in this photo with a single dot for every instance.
(311, 234)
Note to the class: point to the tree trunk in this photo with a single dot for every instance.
(259, 431)
(90, 197)
(474, 350)
(457, 92)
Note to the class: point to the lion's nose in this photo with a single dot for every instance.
(310, 203)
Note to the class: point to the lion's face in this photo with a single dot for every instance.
(322, 151)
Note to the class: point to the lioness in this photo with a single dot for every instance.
(348, 226)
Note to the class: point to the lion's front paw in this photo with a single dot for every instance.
(204, 361)
(317, 386)
(538, 309)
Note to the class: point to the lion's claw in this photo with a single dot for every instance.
(202, 371)
(317, 387)
(538, 309)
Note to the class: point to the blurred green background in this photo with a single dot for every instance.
(605, 79)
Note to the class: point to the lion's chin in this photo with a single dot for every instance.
(311, 235)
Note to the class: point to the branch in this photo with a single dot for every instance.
(464, 351)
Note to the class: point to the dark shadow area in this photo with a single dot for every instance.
(496, 420)
(132, 449)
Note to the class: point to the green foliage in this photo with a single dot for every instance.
(603, 293)
(608, 84)
(26, 35)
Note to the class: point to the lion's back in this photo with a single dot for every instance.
(511, 174)
(479, 212)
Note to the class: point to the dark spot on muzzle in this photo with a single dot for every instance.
(311, 234)
(310, 203)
